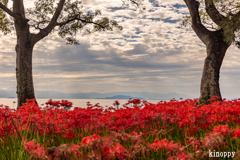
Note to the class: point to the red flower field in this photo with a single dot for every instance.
(167, 130)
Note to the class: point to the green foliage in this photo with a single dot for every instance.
(186, 22)
(5, 2)
(42, 12)
(78, 21)
(4, 23)
(71, 20)
(4, 20)
(202, 101)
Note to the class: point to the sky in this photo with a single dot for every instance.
(150, 54)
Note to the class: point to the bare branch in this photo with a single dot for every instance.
(8, 11)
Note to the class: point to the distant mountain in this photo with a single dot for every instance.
(230, 99)
(122, 97)
(97, 95)
(7, 94)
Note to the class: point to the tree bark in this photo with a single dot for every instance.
(216, 50)
(24, 50)
(25, 89)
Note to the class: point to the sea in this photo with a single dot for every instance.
(82, 103)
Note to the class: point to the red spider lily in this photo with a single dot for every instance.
(88, 140)
(116, 103)
(136, 136)
(195, 144)
(94, 155)
(236, 133)
(221, 129)
(119, 150)
(64, 103)
(134, 101)
(180, 156)
(213, 140)
(74, 149)
(70, 135)
(35, 149)
(53, 103)
(160, 144)
(214, 98)
(89, 104)
(116, 150)
(192, 130)
(64, 150)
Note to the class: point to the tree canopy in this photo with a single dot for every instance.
(63, 16)
(219, 14)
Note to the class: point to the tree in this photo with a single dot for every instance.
(63, 16)
(216, 24)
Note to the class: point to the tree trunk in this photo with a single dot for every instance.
(216, 50)
(24, 50)
(25, 88)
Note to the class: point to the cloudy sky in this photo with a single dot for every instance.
(150, 54)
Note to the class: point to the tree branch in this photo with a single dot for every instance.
(53, 21)
(214, 14)
(79, 19)
(44, 32)
(8, 11)
(37, 24)
(134, 2)
(202, 32)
